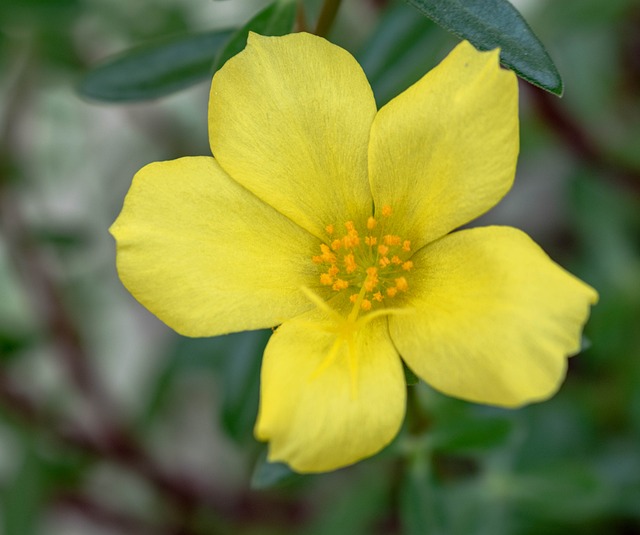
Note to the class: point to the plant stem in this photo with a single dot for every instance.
(327, 16)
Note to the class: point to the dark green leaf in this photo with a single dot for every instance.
(267, 475)
(490, 24)
(155, 70)
(276, 19)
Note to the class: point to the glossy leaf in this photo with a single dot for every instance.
(155, 70)
(276, 19)
(490, 24)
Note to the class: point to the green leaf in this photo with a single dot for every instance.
(490, 24)
(267, 475)
(155, 70)
(276, 19)
(402, 48)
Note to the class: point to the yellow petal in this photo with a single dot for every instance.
(327, 402)
(289, 119)
(205, 255)
(444, 151)
(494, 319)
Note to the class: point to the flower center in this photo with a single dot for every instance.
(368, 263)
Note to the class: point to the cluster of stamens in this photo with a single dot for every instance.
(369, 264)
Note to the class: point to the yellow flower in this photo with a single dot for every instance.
(322, 214)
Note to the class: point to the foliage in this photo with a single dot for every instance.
(108, 421)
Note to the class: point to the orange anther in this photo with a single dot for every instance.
(326, 279)
(350, 263)
(340, 284)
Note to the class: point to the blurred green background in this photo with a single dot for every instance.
(112, 424)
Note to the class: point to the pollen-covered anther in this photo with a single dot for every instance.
(350, 263)
(326, 279)
(401, 284)
(372, 264)
(327, 255)
(340, 284)
(372, 280)
(390, 239)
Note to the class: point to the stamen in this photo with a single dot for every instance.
(326, 279)
(350, 263)
(340, 284)
(371, 271)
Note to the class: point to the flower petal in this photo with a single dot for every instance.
(494, 317)
(444, 151)
(289, 119)
(205, 255)
(321, 413)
